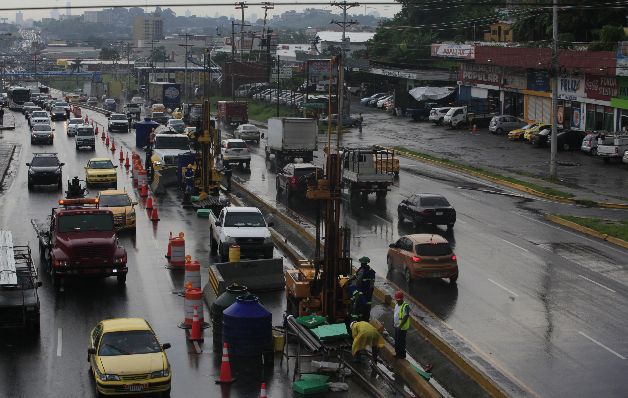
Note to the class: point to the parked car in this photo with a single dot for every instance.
(427, 208)
(248, 132)
(366, 100)
(293, 178)
(517, 134)
(380, 102)
(504, 124)
(530, 133)
(589, 143)
(437, 114)
(423, 256)
(347, 120)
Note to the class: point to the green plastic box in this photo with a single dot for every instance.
(202, 213)
(311, 383)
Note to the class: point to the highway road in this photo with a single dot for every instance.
(546, 305)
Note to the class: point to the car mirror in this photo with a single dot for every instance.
(28, 164)
(133, 203)
(91, 351)
(165, 346)
(40, 284)
(61, 164)
(392, 245)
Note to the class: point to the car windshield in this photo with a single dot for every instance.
(176, 122)
(434, 201)
(85, 131)
(170, 142)
(237, 219)
(29, 104)
(85, 222)
(128, 343)
(40, 114)
(110, 101)
(100, 164)
(58, 110)
(248, 127)
(42, 127)
(433, 249)
(44, 161)
(75, 121)
(114, 200)
(118, 117)
(61, 104)
(236, 144)
(158, 114)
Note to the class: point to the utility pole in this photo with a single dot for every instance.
(554, 77)
(185, 73)
(128, 68)
(232, 40)
(343, 24)
(278, 85)
(241, 6)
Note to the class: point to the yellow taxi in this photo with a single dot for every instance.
(125, 357)
(101, 172)
(530, 133)
(517, 134)
(121, 205)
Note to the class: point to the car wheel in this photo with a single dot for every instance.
(166, 394)
(60, 185)
(440, 122)
(213, 246)
(453, 279)
(499, 131)
(407, 276)
(248, 165)
(389, 262)
(121, 280)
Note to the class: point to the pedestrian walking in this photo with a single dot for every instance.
(402, 324)
(130, 119)
(365, 335)
(360, 121)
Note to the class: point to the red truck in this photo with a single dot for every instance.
(232, 113)
(79, 240)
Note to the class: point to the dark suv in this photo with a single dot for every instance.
(45, 169)
(427, 208)
(294, 177)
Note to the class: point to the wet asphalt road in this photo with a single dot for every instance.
(546, 305)
(55, 364)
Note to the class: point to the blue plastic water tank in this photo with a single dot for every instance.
(247, 327)
(142, 131)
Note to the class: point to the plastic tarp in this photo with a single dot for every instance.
(430, 93)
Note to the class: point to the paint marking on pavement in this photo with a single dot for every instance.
(597, 283)
(381, 218)
(517, 246)
(59, 341)
(197, 348)
(503, 287)
(618, 355)
(572, 233)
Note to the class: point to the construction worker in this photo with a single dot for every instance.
(365, 335)
(365, 283)
(130, 120)
(189, 178)
(227, 172)
(402, 324)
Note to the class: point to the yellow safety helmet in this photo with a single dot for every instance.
(189, 166)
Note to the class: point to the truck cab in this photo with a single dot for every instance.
(242, 226)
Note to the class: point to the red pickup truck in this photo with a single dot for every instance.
(80, 241)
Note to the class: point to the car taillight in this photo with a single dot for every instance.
(425, 212)
(416, 259)
(293, 180)
(454, 258)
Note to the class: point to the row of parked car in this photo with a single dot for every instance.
(379, 100)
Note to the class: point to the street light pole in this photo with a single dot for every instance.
(554, 76)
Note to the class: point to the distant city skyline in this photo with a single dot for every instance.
(62, 8)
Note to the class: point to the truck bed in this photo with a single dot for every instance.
(367, 178)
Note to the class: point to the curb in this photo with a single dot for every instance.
(585, 230)
(498, 181)
(6, 170)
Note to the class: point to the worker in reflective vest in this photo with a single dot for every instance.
(402, 324)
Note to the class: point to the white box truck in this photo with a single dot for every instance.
(289, 138)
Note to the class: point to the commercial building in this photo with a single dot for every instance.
(147, 28)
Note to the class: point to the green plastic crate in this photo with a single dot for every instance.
(336, 331)
(202, 213)
(311, 383)
(311, 321)
(194, 198)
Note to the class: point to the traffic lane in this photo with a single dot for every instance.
(487, 238)
(75, 311)
(487, 150)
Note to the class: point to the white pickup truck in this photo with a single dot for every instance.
(242, 226)
(612, 147)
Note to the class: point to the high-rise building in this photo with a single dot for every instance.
(147, 28)
(19, 18)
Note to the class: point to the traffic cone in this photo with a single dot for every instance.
(113, 145)
(154, 216)
(102, 134)
(262, 393)
(475, 129)
(86, 119)
(96, 131)
(107, 141)
(225, 367)
(143, 191)
(195, 334)
(121, 155)
(169, 252)
(149, 203)
(126, 162)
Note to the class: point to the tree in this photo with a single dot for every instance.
(109, 53)
(158, 54)
(609, 37)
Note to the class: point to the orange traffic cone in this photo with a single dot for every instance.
(225, 367)
(195, 334)
(149, 203)
(121, 155)
(113, 145)
(96, 131)
(107, 141)
(143, 191)
(169, 252)
(102, 134)
(154, 216)
(262, 393)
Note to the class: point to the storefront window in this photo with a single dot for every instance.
(599, 117)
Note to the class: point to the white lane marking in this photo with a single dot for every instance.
(572, 233)
(597, 283)
(618, 355)
(503, 287)
(59, 341)
(517, 246)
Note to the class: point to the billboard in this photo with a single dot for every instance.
(622, 59)
(460, 51)
(318, 69)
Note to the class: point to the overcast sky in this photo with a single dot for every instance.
(383, 10)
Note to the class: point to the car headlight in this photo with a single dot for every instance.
(61, 263)
(120, 260)
(157, 163)
(106, 376)
(160, 373)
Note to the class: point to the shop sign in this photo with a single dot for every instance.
(482, 74)
(444, 50)
(538, 80)
(318, 69)
(601, 87)
(570, 88)
(516, 81)
(622, 59)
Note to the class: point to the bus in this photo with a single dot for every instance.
(18, 96)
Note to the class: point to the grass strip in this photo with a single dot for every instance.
(616, 228)
(487, 173)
